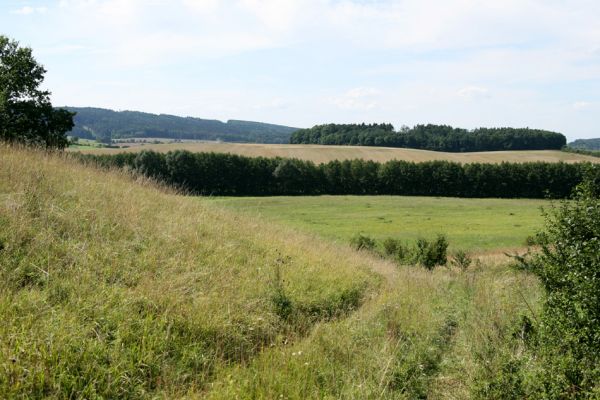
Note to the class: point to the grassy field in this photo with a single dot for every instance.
(322, 154)
(470, 224)
(113, 287)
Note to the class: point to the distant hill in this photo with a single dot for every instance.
(100, 123)
(586, 144)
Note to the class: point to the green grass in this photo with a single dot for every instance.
(114, 287)
(470, 224)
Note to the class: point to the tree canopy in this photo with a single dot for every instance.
(26, 113)
(431, 137)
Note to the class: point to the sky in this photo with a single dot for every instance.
(466, 63)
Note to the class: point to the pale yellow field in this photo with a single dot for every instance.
(322, 154)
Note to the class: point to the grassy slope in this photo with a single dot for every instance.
(112, 288)
(115, 288)
(320, 154)
(470, 224)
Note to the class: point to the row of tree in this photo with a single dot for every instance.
(233, 175)
(430, 137)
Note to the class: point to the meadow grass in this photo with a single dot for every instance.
(323, 154)
(114, 287)
(478, 225)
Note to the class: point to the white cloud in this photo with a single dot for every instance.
(579, 105)
(28, 10)
(361, 98)
(474, 92)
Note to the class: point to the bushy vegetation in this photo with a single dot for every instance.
(103, 125)
(227, 174)
(431, 137)
(568, 340)
(426, 253)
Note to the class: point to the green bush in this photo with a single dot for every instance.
(362, 242)
(430, 254)
(390, 246)
(569, 270)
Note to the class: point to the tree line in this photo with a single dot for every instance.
(431, 137)
(234, 175)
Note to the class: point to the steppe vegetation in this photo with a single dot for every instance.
(114, 287)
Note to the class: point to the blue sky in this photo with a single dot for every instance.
(466, 63)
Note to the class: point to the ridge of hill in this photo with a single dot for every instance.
(586, 144)
(103, 124)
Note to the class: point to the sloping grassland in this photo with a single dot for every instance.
(113, 287)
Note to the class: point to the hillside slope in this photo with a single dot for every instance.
(112, 287)
(98, 123)
(324, 154)
(118, 289)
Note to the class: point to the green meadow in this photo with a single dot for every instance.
(469, 224)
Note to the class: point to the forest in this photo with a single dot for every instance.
(431, 137)
(234, 175)
(103, 125)
(585, 144)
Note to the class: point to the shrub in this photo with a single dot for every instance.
(430, 254)
(390, 246)
(362, 242)
(461, 259)
(569, 270)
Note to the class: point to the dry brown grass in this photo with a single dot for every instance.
(323, 154)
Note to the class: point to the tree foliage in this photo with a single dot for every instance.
(430, 137)
(234, 175)
(26, 114)
(569, 270)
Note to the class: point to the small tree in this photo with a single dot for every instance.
(569, 270)
(26, 114)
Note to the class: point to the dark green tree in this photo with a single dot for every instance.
(26, 114)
